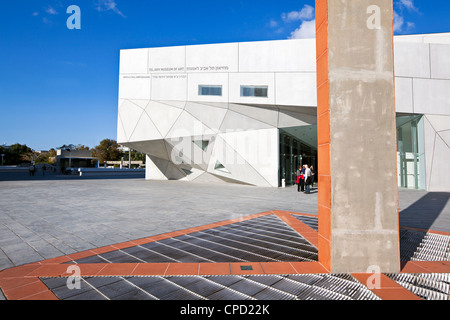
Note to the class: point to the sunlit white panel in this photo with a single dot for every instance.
(134, 87)
(133, 61)
(296, 55)
(212, 58)
(296, 89)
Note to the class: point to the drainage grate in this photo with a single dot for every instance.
(256, 287)
(414, 245)
(312, 222)
(422, 246)
(429, 286)
(263, 239)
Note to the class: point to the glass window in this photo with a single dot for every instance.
(220, 167)
(209, 90)
(410, 152)
(254, 91)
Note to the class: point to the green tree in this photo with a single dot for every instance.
(135, 156)
(74, 147)
(16, 154)
(107, 150)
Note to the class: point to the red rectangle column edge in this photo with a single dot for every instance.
(323, 128)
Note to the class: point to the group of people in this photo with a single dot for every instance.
(33, 169)
(305, 178)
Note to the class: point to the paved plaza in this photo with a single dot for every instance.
(47, 217)
(42, 219)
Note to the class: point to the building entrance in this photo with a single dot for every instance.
(410, 152)
(298, 146)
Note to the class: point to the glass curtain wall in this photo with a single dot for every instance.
(298, 146)
(296, 149)
(410, 152)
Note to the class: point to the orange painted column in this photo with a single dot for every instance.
(323, 128)
(357, 155)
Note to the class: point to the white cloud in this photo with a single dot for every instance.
(400, 25)
(408, 4)
(398, 22)
(51, 10)
(108, 5)
(307, 30)
(273, 23)
(307, 27)
(307, 13)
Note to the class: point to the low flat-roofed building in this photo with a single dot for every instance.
(75, 159)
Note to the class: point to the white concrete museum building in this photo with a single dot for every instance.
(246, 112)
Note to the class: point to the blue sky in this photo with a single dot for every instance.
(60, 86)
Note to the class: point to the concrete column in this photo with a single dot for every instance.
(358, 192)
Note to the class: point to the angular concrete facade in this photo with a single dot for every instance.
(235, 138)
(422, 68)
(224, 137)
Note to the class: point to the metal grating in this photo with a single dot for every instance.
(312, 222)
(422, 246)
(261, 287)
(428, 286)
(263, 239)
(414, 245)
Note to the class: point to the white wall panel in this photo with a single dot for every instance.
(152, 171)
(305, 93)
(133, 61)
(439, 123)
(278, 56)
(167, 60)
(267, 115)
(425, 38)
(440, 61)
(169, 87)
(196, 79)
(403, 95)
(134, 87)
(234, 121)
(412, 60)
(440, 170)
(188, 126)
(431, 96)
(145, 130)
(212, 117)
(130, 114)
(259, 149)
(239, 169)
(212, 58)
(252, 79)
(163, 116)
(121, 135)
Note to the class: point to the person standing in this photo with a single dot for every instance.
(300, 180)
(313, 176)
(307, 179)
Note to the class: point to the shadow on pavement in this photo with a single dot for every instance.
(422, 215)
